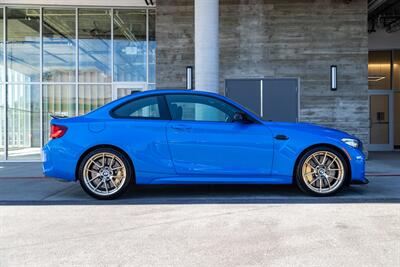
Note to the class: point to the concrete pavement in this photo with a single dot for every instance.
(201, 235)
(44, 222)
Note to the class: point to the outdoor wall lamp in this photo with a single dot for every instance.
(333, 78)
(189, 77)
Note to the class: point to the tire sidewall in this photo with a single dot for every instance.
(128, 180)
(299, 175)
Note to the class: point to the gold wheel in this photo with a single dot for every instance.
(323, 172)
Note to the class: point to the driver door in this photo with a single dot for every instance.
(204, 140)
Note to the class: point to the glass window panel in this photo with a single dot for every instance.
(23, 44)
(199, 108)
(152, 46)
(23, 121)
(146, 108)
(58, 45)
(60, 100)
(1, 46)
(379, 117)
(2, 122)
(396, 70)
(379, 70)
(92, 96)
(130, 45)
(94, 45)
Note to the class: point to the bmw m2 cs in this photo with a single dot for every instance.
(194, 137)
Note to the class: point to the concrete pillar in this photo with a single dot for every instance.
(206, 22)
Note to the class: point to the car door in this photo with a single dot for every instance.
(204, 140)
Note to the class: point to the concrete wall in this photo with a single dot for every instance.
(281, 38)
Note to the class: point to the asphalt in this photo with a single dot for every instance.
(47, 191)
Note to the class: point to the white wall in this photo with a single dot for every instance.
(381, 40)
(116, 3)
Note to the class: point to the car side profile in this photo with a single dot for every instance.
(194, 137)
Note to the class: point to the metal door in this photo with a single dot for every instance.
(273, 99)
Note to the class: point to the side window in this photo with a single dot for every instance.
(142, 108)
(199, 108)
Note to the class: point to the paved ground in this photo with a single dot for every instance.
(201, 235)
(49, 223)
(44, 222)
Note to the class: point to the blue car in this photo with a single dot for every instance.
(194, 137)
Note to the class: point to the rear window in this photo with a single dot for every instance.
(142, 108)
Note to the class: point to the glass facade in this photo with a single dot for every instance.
(67, 61)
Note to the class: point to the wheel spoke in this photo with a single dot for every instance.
(323, 161)
(94, 178)
(308, 173)
(330, 164)
(333, 177)
(95, 163)
(97, 186)
(92, 171)
(117, 168)
(313, 181)
(329, 184)
(105, 186)
(112, 161)
(312, 167)
(315, 158)
(112, 181)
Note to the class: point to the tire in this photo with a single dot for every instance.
(321, 171)
(105, 173)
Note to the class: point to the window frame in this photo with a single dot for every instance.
(163, 110)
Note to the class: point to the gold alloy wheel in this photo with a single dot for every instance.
(323, 172)
(104, 174)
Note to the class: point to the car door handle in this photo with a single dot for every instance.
(180, 127)
(281, 137)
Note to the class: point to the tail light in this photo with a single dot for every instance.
(57, 131)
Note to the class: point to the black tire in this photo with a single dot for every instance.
(300, 180)
(127, 182)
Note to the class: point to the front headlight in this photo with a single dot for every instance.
(351, 142)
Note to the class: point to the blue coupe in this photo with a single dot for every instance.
(194, 137)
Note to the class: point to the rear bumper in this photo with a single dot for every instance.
(58, 161)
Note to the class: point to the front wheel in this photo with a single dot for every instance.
(321, 171)
(105, 173)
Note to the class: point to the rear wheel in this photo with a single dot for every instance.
(322, 171)
(105, 173)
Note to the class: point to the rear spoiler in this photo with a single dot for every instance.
(58, 116)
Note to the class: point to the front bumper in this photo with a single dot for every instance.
(357, 165)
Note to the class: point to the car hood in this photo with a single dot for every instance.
(310, 128)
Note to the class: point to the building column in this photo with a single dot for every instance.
(206, 21)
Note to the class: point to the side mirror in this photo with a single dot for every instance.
(240, 117)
